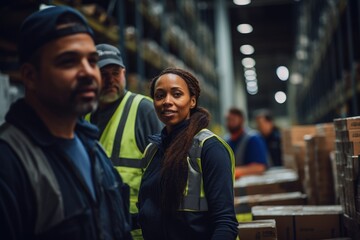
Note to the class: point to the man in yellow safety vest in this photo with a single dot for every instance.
(125, 120)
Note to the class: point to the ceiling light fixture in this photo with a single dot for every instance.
(242, 2)
(251, 84)
(248, 62)
(283, 73)
(250, 72)
(244, 28)
(250, 78)
(280, 97)
(247, 49)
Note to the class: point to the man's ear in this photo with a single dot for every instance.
(28, 75)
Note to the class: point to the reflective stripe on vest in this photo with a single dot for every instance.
(48, 197)
(118, 138)
(194, 196)
(119, 143)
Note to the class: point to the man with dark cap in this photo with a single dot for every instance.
(125, 121)
(55, 180)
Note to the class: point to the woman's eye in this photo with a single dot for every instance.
(159, 96)
(177, 94)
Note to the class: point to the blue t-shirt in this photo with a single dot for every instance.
(76, 152)
(254, 151)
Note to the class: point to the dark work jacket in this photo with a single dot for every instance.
(85, 218)
(218, 223)
(273, 143)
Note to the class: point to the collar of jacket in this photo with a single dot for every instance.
(25, 118)
(163, 139)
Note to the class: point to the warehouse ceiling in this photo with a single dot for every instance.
(274, 28)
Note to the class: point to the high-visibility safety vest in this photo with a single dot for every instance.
(119, 143)
(194, 195)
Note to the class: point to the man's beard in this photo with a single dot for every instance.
(234, 129)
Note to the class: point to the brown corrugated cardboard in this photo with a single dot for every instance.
(302, 222)
(320, 226)
(348, 135)
(347, 123)
(275, 181)
(244, 204)
(258, 230)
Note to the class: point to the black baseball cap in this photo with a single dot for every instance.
(109, 54)
(42, 27)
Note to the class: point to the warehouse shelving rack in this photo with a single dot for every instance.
(329, 35)
(152, 35)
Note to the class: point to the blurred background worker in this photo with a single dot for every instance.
(248, 146)
(125, 120)
(55, 180)
(271, 134)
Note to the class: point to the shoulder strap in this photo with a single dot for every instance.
(196, 147)
(148, 155)
(49, 202)
(120, 130)
(240, 150)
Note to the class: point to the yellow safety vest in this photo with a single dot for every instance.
(194, 195)
(119, 143)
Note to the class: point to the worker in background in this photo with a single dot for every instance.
(248, 146)
(187, 188)
(55, 180)
(125, 120)
(271, 134)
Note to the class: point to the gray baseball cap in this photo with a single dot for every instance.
(109, 55)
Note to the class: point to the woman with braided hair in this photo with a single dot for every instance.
(187, 185)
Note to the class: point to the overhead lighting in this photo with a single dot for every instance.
(283, 73)
(247, 49)
(296, 78)
(248, 62)
(252, 90)
(250, 78)
(301, 55)
(251, 84)
(280, 97)
(242, 2)
(244, 28)
(250, 72)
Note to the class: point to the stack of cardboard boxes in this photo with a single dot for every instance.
(307, 149)
(276, 186)
(318, 172)
(347, 164)
(258, 230)
(302, 222)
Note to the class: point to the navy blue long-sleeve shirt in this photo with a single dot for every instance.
(219, 222)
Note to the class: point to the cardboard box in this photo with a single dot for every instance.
(317, 226)
(295, 135)
(258, 230)
(348, 135)
(347, 123)
(302, 222)
(289, 161)
(274, 181)
(326, 130)
(245, 203)
(349, 148)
